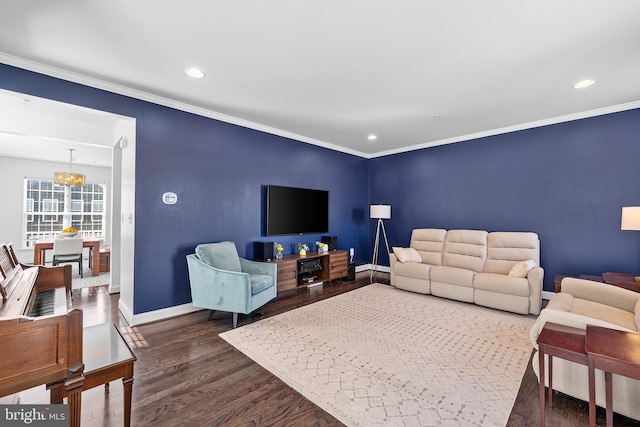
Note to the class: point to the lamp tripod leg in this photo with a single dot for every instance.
(386, 242)
(374, 262)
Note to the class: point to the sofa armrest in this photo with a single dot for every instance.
(392, 261)
(535, 278)
(603, 293)
(217, 289)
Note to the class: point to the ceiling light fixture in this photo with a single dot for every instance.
(69, 178)
(583, 84)
(196, 73)
(372, 137)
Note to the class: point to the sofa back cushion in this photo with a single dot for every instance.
(429, 242)
(506, 249)
(465, 249)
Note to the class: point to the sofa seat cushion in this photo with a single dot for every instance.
(260, 282)
(596, 310)
(501, 283)
(453, 275)
(412, 269)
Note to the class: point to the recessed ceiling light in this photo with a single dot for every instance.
(196, 73)
(372, 137)
(583, 84)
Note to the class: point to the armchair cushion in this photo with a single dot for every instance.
(223, 255)
(260, 282)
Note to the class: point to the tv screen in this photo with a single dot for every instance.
(296, 211)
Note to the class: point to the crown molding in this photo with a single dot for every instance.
(515, 128)
(166, 102)
(204, 112)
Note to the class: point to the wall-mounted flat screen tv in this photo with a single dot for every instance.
(292, 210)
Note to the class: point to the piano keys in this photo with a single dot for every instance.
(40, 327)
(51, 301)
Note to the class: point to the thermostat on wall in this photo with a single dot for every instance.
(169, 198)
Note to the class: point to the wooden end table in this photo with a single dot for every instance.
(621, 280)
(106, 357)
(563, 342)
(558, 280)
(614, 352)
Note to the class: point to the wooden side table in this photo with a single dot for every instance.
(106, 357)
(563, 342)
(557, 281)
(621, 280)
(614, 352)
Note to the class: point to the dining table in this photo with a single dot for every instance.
(42, 245)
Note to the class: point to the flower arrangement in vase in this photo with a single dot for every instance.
(322, 247)
(302, 249)
(279, 248)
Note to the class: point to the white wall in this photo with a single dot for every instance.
(12, 174)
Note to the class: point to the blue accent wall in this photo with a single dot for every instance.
(218, 170)
(567, 182)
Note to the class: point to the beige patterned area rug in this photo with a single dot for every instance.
(89, 280)
(379, 356)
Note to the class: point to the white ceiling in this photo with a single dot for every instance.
(41, 129)
(415, 73)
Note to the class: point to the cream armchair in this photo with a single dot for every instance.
(221, 280)
(582, 303)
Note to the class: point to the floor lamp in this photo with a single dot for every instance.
(379, 212)
(631, 221)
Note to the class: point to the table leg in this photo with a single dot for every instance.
(550, 369)
(127, 382)
(96, 260)
(541, 381)
(74, 400)
(37, 255)
(592, 392)
(609, 397)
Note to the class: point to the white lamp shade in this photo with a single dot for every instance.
(380, 211)
(630, 218)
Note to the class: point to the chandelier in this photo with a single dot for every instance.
(69, 178)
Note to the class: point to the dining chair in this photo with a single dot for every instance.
(68, 250)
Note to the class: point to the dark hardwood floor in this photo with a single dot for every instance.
(187, 376)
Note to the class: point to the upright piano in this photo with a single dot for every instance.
(40, 333)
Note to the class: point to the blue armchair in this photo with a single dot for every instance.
(221, 280)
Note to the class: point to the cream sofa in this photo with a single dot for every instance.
(583, 302)
(473, 266)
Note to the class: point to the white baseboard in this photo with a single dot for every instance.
(366, 267)
(155, 315)
(125, 311)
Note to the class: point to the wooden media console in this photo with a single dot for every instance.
(295, 271)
